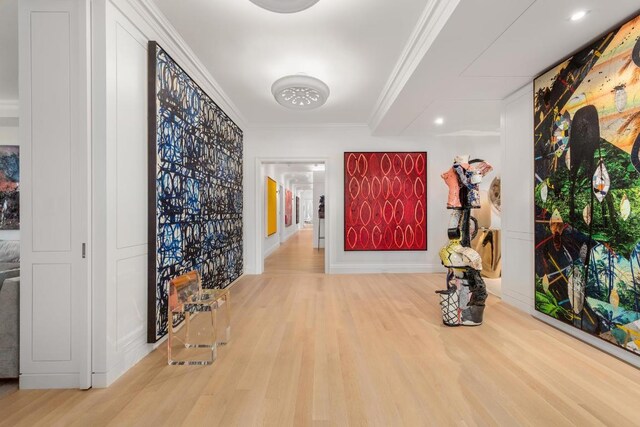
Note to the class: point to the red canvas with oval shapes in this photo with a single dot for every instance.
(385, 201)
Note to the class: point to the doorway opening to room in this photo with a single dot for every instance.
(293, 227)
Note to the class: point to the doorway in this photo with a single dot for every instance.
(298, 244)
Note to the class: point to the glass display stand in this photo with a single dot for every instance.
(194, 341)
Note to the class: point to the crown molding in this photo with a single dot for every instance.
(9, 108)
(293, 126)
(433, 18)
(159, 23)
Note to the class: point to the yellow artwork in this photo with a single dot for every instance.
(272, 207)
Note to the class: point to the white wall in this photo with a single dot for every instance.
(9, 136)
(55, 118)
(330, 143)
(121, 31)
(517, 200)
(275, 172)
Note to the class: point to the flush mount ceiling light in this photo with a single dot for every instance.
(285, 6)
(579, 15)
(300, 92)
(439, 121)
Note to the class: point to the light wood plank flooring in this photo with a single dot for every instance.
(296, 255)
(312, 349)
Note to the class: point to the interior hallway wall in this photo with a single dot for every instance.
(330, 142)
(121, 32)
(518, 240)
(273, 242)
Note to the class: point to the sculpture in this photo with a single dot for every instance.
(464, 299)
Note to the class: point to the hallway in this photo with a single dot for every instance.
(296, 255)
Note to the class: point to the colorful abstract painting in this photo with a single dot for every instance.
(288, 208)
(385, 201)
(195, 187)
(272, 207)
(587, 189)
(9, 187)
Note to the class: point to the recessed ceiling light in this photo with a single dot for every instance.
(300, 92)
(579, 15)
(285, 6)
(439, 121)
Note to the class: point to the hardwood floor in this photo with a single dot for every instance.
(296, 255)
(313, 349)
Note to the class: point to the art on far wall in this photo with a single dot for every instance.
(288, 208)
(297, 210)
(195, 187)
(587, 189)
(272, 207)
(9, 187)
(385, 201)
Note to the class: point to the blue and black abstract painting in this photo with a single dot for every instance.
(195, 208)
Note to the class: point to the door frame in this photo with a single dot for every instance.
(260, 201)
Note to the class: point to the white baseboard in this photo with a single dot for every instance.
(48, 381)
(130, 357)
(340, 268)
(517, 300)
(271, 250)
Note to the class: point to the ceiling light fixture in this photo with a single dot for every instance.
(285, 6)
(300, 92)
(579, 15)
(439, 121)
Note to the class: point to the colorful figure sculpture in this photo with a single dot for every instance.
(464, 299)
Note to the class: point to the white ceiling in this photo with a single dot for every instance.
(8, 49)
(299, 174)
(352, 45)
(487, 50)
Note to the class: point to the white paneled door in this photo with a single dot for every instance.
(55, 288)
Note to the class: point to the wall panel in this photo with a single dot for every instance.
(54, 129)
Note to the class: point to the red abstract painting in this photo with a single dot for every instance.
(385, 201)
(288, 208)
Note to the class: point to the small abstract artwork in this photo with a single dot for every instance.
(288, 208)
(297, 210)
(9, 187)
(587, 189)
(195, 188)
(385, 201)
(272, 207)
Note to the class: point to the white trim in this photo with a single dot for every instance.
(268, 126)
(271, 250)
(9, 108)
(526, 90)
(49, 381)
(514, 300)
(342, 268)
(434, 16)
(128, 359)
(152, 16)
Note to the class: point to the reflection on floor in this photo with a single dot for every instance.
(296, 255)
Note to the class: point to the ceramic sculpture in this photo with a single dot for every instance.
(463, 300)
